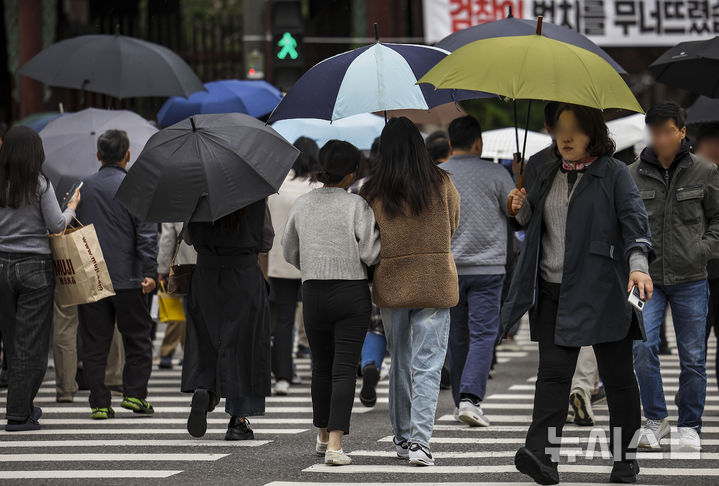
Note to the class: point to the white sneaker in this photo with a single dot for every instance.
(337, 458)
(420, 455)
(320, 447)
(402, 447)
(689, 440)
(456, 414)
(472, 414)
(653, 433)
(282, 387)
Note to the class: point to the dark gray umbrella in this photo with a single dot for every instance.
(207, 166)
(704, 110)
(115, 65)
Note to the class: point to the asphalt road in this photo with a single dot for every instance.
(136, 450)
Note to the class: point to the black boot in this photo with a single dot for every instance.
(203, 401)
(239, 430)
(624, 472)
(527, 462)
(370, 378)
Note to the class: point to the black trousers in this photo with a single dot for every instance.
(337, 314)
(283, 300)
(554, 379)
(96, 327)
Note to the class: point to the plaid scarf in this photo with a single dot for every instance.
(568, 166)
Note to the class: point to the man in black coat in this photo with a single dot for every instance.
(130, 251)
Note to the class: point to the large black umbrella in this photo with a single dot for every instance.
(690, 65)
(207, 167)
(114, 65)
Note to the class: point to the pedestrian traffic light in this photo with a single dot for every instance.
(255, 65)
(287, 32)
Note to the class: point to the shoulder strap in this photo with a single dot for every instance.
(179, 242)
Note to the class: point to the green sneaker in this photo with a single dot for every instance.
(137, 405)
(103, 413)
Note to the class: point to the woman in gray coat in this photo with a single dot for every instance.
(587, 244)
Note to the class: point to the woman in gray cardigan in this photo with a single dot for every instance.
(28, 212)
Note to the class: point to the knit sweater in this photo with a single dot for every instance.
(556, 205)
(25, 229)
(331, 235)
(480, 244)
(417, 270)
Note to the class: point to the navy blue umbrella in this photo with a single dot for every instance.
(371, 79)
(254, 98)
(512, 26)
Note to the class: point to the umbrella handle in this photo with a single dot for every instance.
(520, 184)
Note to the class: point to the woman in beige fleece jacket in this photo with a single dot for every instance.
(417, 211)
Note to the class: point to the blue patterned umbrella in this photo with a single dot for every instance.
(371, 79)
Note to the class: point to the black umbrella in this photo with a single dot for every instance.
(690, 65)
(704, 110)
(114, 65)
(207, 167)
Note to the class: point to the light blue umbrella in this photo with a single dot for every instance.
(372, 79)
(359, 130)
(251, 97)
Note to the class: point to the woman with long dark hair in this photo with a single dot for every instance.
(415, 283)
(285, 280)
(28, 212)
(227, 350)
(587, 245)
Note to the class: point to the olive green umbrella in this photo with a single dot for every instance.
(533, 67)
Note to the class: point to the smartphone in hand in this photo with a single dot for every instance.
(636, 300)
(71, 193)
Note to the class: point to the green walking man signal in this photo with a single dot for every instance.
(289, 47)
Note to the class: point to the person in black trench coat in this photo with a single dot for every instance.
(227, 350)
(586, 227)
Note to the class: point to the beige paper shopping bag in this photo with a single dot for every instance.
(81, 275)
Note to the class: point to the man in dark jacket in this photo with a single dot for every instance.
(681, 195)
(130, 251)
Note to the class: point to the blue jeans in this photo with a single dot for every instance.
(417, 340)
(27, 291)
(689, 303)
(472, 332)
